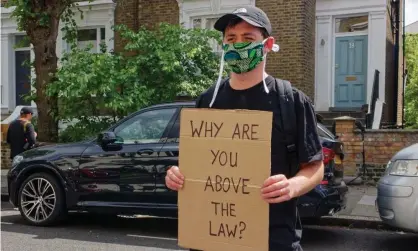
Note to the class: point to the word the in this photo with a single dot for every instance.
(224, 158)
(224, 208)
(226, 184)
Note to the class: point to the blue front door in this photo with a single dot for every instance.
(350, 71)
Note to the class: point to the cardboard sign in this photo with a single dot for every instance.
(225, 158)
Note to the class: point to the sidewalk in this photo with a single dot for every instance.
(4, 191)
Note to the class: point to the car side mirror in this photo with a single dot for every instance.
(106, 138)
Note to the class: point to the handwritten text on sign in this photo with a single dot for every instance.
(227, 160)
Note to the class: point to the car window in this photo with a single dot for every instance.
(324, 132)
(174, 135)
(146, 127)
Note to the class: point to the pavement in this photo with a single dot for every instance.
(91, 233)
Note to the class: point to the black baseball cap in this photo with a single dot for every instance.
(26, 110)
(251, 15)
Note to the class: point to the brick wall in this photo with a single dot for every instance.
(293, 23)
(136, 13)
(5, 156)
(126, 12)
(379, 145)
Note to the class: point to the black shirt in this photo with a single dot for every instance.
(283, 216)
(17, 137)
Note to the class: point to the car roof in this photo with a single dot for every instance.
(408, 153)
(177, 103)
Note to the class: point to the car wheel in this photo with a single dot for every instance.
(41, 200)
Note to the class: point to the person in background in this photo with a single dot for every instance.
(21, 135)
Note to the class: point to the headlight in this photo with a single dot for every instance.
(17, 159)
(404, 168)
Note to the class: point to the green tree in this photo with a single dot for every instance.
(411, 92)
(162, 63)
(40, 20)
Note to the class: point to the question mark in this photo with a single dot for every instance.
(243, 226)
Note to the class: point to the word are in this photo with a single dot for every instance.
(212, 129)
(225, 184)
(224, 158)
(227, 230)
(224, 209)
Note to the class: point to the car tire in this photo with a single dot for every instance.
(41, 200)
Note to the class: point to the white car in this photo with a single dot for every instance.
(397, 192)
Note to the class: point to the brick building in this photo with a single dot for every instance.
(330, 49)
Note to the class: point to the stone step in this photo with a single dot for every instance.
(335, 114)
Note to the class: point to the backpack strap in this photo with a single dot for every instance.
(24, 126)
(288, 121)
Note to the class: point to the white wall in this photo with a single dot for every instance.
(326, 12)
(97, 13)
(412, 28)
(208, 8)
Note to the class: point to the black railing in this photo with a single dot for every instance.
(375, 96)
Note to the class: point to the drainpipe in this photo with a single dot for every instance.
(403, 64)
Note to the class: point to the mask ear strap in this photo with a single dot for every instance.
(218, 83)
(275, 48)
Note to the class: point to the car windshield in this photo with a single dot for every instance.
(324, 132)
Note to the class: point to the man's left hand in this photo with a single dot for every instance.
(277, 189)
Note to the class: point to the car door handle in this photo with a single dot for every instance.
(146, 152)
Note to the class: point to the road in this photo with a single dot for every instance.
(94, 232)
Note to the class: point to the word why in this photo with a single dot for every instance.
(212, 129)
(226, 184)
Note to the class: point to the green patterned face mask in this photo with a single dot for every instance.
(243, 57)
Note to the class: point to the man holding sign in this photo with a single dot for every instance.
(295, 168)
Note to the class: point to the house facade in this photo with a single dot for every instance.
(412, 28)
(330, 49)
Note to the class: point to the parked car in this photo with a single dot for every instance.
(397, 191)
(123, 172)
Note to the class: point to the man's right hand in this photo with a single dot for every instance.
(174, 179)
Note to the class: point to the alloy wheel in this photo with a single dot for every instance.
(38, 199)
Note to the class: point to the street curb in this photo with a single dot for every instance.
(353, 222)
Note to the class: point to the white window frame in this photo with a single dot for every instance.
(216, 48)
(98, 37)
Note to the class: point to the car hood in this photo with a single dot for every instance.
(70, 149)
(408, 153)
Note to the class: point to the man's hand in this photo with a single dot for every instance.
(174, 179)
(277, 189)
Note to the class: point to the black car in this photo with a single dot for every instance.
(123, 171)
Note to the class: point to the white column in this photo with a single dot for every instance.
(377, 52)
(323, 65)
(110, 34)
(6, 78)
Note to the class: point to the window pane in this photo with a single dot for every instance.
(174, 135)
(147, 127)
(86, 38)
(22, 41)
(87, 35)
(197, 23)
(102, 33)
(351, 24)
